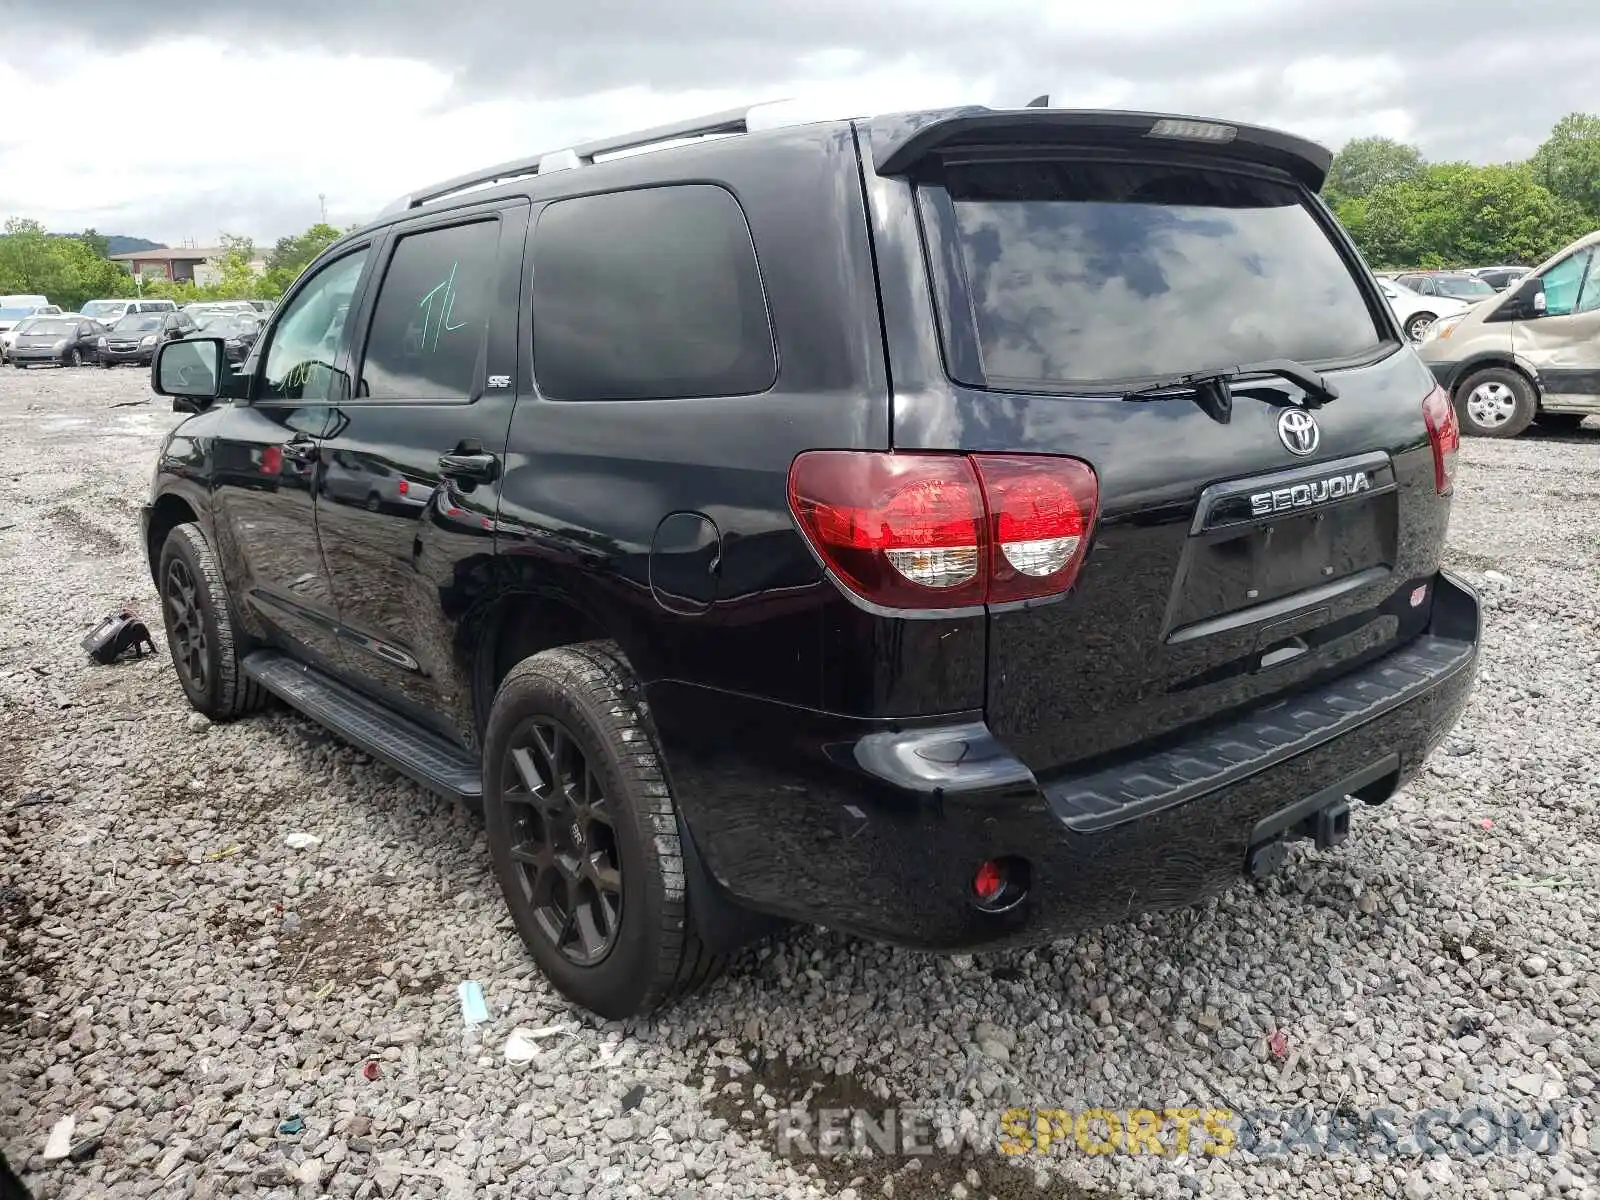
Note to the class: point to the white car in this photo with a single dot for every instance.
(1415, 313)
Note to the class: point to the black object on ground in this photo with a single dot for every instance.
(115, 636)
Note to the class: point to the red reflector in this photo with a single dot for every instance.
(1444, 432)
(986, 884)
(933, 531)
(271, 460)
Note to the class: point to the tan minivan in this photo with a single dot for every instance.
(1529, 354)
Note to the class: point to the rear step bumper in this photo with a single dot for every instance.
(887, 826)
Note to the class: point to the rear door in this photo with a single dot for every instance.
(412, 459)
(1236, 555)
(1563, 343)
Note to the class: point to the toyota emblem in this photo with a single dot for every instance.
(1298, 431)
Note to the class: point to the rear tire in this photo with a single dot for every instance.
(199, 625)
(1497, 402)
(587, 852)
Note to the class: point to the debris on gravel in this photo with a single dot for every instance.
(211, 1006)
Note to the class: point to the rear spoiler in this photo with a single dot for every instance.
(900, 141)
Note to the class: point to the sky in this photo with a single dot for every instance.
(180, 122)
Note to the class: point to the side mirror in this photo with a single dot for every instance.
(189, 370)
(1529, 299)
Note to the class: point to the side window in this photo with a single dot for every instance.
(1561, 283)
(307, 340)
(1589, 297)
(649, 294)
(430, 323)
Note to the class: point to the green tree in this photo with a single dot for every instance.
(1368, 163)
(1568, 163)
(292, 255)
(1456, 214)
(69, 270)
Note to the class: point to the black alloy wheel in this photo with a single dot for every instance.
(186, 630)
(563, 841)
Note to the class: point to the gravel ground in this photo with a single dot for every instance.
(224, 1015)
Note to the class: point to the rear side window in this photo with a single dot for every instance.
(650, 294)
(431, 320)
(1094, 272)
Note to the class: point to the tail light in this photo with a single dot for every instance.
(1444, 433)
(934, 531)
(403, 487)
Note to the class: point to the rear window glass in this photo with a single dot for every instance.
(1090, 272)
(649, 294)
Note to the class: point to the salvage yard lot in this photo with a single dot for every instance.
(203, 999)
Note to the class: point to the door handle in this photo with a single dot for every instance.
(478, 467)
(300, 449)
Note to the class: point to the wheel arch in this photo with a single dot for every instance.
(167, 512)
(515, 626)
(1496, 358)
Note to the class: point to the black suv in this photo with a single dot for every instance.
(953, 527)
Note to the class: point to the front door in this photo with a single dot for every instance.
(1563, 344)
(266, 467)
(408, 540)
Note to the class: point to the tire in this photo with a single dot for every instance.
(373, 504)
(105, 363)
(74, 358)
(1497, 402)
(1562, 422)
(581, 705)
(1417, 325)
(199, 626)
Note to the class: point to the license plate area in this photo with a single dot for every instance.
(1260, 543)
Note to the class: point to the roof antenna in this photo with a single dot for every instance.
(1039, 102)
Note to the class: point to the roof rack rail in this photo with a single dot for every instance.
(733, 120)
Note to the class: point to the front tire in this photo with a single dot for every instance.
(199, 625)
(74, 358)
(583, 832)
(1497, 402)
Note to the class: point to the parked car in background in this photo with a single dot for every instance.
(16, 309)
(218, 306)
(109, 312)
(1500, 278)
(1415, 313)
(1532, 354)
(69, 340)
(134, 338)
(264, 306)
(237, 330)
(1455, 284)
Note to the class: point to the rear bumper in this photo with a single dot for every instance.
(877, 827)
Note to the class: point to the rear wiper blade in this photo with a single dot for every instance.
(1213, 393)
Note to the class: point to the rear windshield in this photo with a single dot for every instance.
(99, 308)
(1094, 272)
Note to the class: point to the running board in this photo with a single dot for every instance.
(413, 751)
